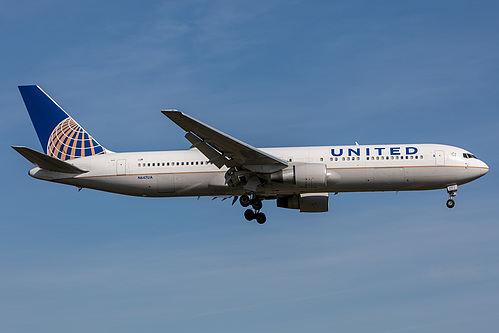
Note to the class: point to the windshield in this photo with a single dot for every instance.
(468, 155)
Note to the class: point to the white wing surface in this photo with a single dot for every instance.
(222, 149)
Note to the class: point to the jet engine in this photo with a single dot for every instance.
(306, 202)
(306, 175)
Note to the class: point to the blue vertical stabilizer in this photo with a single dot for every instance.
(59, 134)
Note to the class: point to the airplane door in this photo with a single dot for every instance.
(439, 158)
(121, 167)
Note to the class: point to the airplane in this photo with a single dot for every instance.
(219, 165)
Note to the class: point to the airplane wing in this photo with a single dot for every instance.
(222, 149)
(47, 162)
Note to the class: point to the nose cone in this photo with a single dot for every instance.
(484, 168)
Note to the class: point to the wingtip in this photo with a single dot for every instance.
(165, 111)
(172, 113)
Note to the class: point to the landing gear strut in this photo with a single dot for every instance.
(254, 214)
(452, 189)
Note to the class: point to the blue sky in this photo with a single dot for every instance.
(271, 73)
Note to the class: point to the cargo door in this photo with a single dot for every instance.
(388, 178)
(166, 183)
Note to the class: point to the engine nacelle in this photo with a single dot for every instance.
(306, 175)
(306, 202)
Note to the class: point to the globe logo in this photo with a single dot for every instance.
(69, 140)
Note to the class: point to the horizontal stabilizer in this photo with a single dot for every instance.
(47, 162)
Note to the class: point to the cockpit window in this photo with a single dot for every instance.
(468, 155)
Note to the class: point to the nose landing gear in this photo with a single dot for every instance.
(452, 189)
(257, 204)
(450, 203)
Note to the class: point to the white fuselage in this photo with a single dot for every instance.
(356, 168)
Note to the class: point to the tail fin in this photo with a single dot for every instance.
(59, 134)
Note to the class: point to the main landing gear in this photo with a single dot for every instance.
(254, 214)
(452, 189)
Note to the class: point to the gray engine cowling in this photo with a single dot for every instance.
(306, 175)
(306, 202)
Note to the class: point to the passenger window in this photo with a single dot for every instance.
(148, 164)
(139, 165)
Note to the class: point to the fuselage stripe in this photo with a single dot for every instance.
(223, 171)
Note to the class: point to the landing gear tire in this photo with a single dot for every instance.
(260, 218)
(253, 214)
(450, 203)
(244, 200)
(249, 215)
(256, 204)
